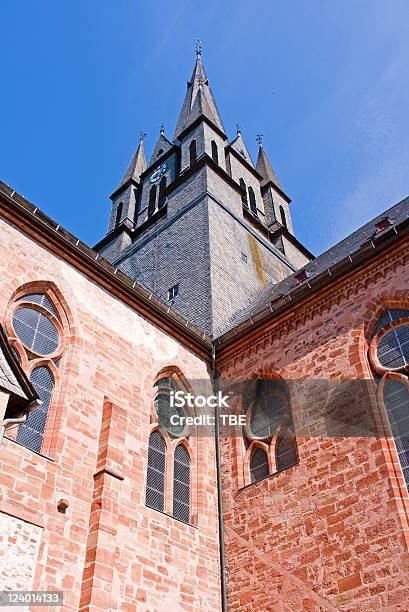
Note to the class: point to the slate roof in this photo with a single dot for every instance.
(198, 101)
(136, 166)
(329, 264)
(264, 168)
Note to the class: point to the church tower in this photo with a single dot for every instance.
(200, 226)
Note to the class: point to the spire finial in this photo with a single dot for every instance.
(162, 129)
(142, 136)
(238, 129)
(198, 47)
(260, 139)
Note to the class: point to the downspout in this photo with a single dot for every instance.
(11, 422)
(32, 406)
(219, 487)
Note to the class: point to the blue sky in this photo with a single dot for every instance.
(325, 82)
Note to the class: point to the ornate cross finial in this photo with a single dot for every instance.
(162, 128)
(198, 47)
(142, 136)
(238, 128)
(260, 139)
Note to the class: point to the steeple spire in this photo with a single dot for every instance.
(137, 164)
(264, 167)
(199, 99)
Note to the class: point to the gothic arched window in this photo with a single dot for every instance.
(252, 199)
(215, 152)
(286, 451)
(159, 153)
(155, 479)
(164, 410)
(118, 215)
(169, 445)
(162, 192)
(259, 465)
(269, 421)
(243, 193)
(389, 357)
(192, 152)
(283, 217)
(152, 201)
(31, 433)
(36, 330)
(181, 484)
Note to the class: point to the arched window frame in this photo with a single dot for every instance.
(152, 200)
(177, 499)
(215, 151)
(256, 451)
(270, 443)
(244, 199)
(162, 192)
(155, 491)
(252, 201)
(118, 214)
(388, 319)
(373, 349)
(283, 216)
(56, 362)
(192, 152)
(173, 441)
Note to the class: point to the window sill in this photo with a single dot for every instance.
(277, 473)
(159, 212)
(255, 220)
(172, 517)
(29, 449)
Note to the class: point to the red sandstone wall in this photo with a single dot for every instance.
(134, 558)
(329, 533)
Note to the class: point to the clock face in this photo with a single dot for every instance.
(159, 172)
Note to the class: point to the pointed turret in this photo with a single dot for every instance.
(264, 168)
(137, 165)
(162, 146)
(239, 146)
(199, 100)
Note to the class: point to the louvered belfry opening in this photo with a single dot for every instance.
(243, 188)
(162, 192)
(192, 152)
(252, 199)
(215, 152)
(152, 200)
